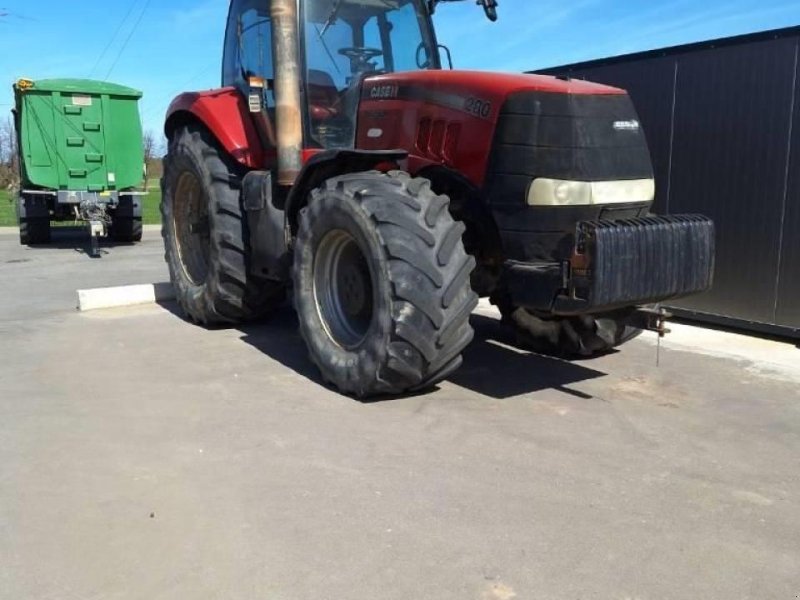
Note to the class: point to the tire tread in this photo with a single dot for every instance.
(230, 294)
(429, 273)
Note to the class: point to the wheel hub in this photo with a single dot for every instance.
(192, 229)
(353, 289)
(343, 289)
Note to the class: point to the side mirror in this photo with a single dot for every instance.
(447, 53)
(490, 8)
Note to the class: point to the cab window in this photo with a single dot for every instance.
(248, 45)
(348, 40)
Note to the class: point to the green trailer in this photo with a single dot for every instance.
(81, 158)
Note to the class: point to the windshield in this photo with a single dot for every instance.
(346, 40)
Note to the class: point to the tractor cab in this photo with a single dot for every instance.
(341, 43)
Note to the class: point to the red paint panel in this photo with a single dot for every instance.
(225, 113)
(422, 129)
(424, 133)
(436, 143)
(449, 117)
(495, 85)
(307, 153)
(450, 146)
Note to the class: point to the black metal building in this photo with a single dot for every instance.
(723, 125)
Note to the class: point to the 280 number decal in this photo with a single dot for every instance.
(478, 107)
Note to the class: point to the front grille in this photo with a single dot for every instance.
(645, 260)
(564, 136)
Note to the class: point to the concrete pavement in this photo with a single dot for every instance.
(143, 457)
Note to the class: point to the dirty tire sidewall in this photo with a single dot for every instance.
(347, 369)
(420, 282)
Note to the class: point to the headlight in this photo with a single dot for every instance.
(557, 192)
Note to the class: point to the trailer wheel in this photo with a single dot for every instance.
(126, 222)
(206, 235)
(34, 231)
(34, 220)
(382, 284)
(582, 336)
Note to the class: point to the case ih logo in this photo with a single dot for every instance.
(380, 92)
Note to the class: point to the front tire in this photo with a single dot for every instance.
(568, 337)
(382, 284)
(206, 235)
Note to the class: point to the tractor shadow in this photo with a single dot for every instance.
(493, 365)
(279, 338)
(497, 367)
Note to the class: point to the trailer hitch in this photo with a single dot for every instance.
(95, 214)
(650, 319)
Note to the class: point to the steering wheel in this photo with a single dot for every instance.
(360, 56)
(423, 64)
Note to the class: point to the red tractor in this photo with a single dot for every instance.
(340, 162)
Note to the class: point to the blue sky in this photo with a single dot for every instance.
(177, 45)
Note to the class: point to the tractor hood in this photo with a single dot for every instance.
(458, 89)
(490, 126)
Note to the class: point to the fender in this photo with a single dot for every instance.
(482, 239)
(268, 254)
(225, 114)
(330, 163)
(272, 213)
(467, 203)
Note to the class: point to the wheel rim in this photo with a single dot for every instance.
(343, 289)
(191, 225)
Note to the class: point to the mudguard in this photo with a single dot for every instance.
(225, 114)
(268, 247)
(323, 165)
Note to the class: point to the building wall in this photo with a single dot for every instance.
(723, 125)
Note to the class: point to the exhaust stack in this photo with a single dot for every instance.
(287, 89)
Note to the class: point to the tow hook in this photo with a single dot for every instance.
(94, 213)
(650, 319)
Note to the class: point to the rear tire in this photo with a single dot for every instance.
(382, 284)
(206, 236)
(126, 222)
(34, 220)
(568, 337)
(34, 231)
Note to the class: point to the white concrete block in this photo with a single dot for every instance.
(128, 295)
